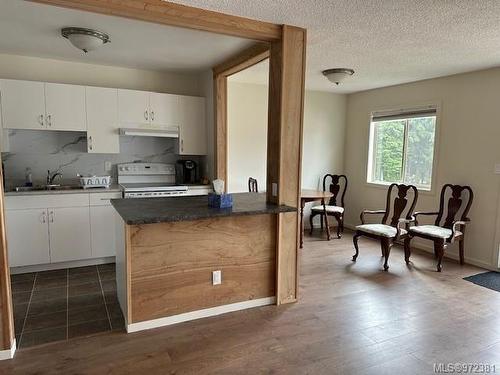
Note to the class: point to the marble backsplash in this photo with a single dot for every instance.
(67, 151)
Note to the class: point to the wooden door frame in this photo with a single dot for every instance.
(286, 96)
(241, 61)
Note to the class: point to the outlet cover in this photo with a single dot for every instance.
(497, 168)
(107, 166)
(217, 277)
(274, 187)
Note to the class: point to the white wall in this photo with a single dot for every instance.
(49, 70)
(468, 148)
(247, 135)
(323, 139)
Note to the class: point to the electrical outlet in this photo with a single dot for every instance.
(497, 168)
(217, 277)
(274, 187)
(107, 166)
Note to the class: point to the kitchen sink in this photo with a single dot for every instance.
(47, 187)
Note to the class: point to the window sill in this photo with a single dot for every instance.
(383, 186)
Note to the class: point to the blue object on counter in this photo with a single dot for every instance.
(220, 201)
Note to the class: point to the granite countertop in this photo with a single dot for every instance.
(111, 189)
(159, 210)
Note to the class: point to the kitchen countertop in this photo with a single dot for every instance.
(159, 210)
(111, 189)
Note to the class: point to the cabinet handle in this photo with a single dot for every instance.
(51, 216)
(49, 120)
(44, 217)
(182, 144)
(152, 115)
(146, 114)
(90, 143)
(40, 120)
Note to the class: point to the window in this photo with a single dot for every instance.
(402, 147)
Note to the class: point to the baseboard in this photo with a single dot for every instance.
(61, 265)
(193, 315)
(425, 246)
(8, 353)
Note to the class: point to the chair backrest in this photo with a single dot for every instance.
(454, 205)
(336, 188)
(252, 185)
(399, 204)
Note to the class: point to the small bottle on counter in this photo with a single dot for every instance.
(29, 177)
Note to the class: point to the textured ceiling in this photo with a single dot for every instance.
(386, 42)
(34, 30)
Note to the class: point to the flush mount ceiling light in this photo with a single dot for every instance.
(337, 75)
(85, 39)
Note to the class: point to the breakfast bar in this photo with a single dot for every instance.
(178, 259)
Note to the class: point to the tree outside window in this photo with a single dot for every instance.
(402, 149)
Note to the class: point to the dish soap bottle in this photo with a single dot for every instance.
(29, 177)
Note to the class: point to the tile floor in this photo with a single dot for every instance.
(62, 304)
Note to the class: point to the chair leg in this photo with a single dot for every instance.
(439, 247)
(407, 249)
(321, 220)
(311, 222)
(462, 251)
(386, 248)
(355, 242)
(340, 220)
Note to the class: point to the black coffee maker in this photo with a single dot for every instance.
(186, 172)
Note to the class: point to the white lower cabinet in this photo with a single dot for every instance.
(102, 222)
(74, 227)
(69, 233)
(27, 237)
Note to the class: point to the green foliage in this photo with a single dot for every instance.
(390, 146)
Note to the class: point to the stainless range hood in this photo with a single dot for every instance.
(170, 132)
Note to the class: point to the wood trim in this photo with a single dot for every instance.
(6, 312)
(128, 252)
(220, 114)
(243, 60)
(235, 64)
(285, 127)
(172, 14)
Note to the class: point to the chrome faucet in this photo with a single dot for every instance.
(52, 176)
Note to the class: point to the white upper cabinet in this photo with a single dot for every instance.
(23, 104)
(65, 107)
(163, 110)
(102, 120)
(133, 108)
(193, 128)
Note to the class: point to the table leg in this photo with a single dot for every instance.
(302, 204)
(328, 236)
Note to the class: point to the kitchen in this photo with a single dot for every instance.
(140, 132)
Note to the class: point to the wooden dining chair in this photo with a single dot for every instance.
(449, 230)
(393, 230)
(252, 185)
(335, 206)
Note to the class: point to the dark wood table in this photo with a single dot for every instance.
(307, 195)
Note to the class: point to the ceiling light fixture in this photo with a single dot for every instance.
(85, 39)
(337, 75)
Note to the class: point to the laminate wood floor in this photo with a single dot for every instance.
(352, 318)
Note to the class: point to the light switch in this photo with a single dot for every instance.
(217, 277)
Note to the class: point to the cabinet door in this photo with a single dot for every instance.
(133, 108)
(65, 107)
(69, 232)
(23, 104)
(164, 110)
(27, 237)
(102, 120)
(102, 227)
(193, 128)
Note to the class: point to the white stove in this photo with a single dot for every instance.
(149, 180)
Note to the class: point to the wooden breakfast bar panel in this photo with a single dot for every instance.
(172, 264)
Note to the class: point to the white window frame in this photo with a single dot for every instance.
(370, 152)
